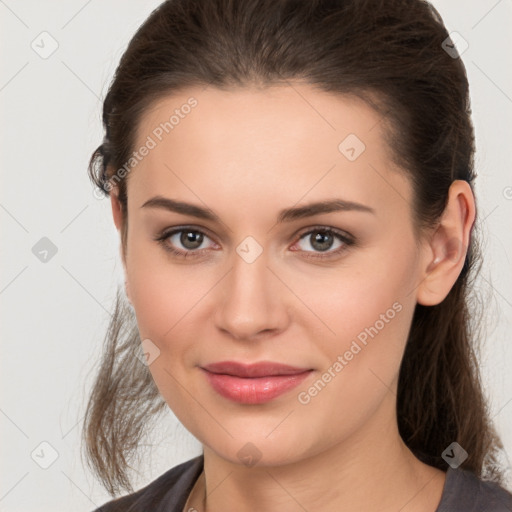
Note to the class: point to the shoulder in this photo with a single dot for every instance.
(168, 492)
(465, 492)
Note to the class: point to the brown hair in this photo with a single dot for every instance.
(389, 53)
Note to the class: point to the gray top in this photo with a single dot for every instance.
(463, 492)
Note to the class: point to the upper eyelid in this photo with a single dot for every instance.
(319, 227)
(299, 234)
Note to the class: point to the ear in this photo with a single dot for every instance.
(446, 249)
(116, 208)
(117, 214)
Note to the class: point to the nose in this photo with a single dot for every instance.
(253, 300)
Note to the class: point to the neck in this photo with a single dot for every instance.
(372, 470)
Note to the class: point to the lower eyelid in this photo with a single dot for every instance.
(178, 231)
(345, 243)
(345, 239)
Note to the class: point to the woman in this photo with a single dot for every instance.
(292, 182)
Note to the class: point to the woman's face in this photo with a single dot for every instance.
(256, 285)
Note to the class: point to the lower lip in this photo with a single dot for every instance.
(257, 390)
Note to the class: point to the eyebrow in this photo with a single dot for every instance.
(286, 215)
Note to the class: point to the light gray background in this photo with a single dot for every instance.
(54, 314)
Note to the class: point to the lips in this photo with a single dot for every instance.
(253, 383)
(261, 369)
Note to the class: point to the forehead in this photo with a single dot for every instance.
(251, 140)
(290, 112)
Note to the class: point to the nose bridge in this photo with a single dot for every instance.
(251, 297)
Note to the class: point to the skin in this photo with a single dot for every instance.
(246, 154)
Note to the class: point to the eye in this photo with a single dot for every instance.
(192, 239)
(189, 238)
(322, 238)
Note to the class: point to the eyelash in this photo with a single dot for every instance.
(347, 240)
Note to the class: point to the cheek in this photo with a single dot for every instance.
(364, 316)
(156, 285)
(165, 303)
(157, 294)
(367, 330)
(169, 302)
(348, 301)
(165, 299)
(362, 357)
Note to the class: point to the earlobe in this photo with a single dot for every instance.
(446, 250)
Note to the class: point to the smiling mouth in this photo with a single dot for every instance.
(259, 369)
(257, 384)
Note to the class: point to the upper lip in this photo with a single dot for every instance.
(260, 369)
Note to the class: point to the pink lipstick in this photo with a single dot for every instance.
(255, 383)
